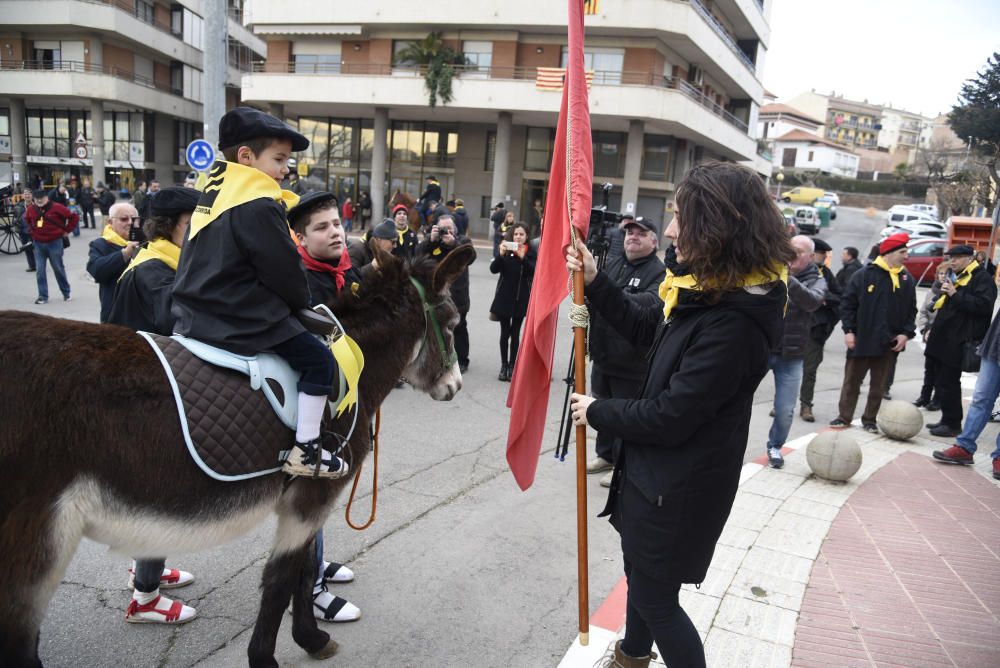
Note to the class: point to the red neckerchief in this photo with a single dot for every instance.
(312, 264)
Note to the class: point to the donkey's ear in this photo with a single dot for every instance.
(452, 266)
(386, 261)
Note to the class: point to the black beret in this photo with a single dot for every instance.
(821, 246)
(40, 193)
(309, 202)
(173, 201)
(385, 230)
(961, 249)
(241, 124)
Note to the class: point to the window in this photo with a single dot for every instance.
(398, 66)
(47, 55)
(144, 11)
(479, 56)
(538, 149)
(5, 122)
(491, 150)
(188, 26)
(185, 132)
(124, 136)
(811, 156)
(609, 154)
(485, 206)
(317, 64)
(656, 157)
(192, 84)
(606, 63)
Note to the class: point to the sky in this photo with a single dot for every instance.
(910, 54)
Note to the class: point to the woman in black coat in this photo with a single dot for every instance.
(515, 262)
(679, 447)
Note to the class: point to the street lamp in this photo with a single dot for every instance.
(779, 177)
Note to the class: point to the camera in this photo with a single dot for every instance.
(601, 222)
(510, 245)
(135, 230)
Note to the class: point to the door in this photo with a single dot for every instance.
(788, 157)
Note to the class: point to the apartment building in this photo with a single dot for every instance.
(903, 133)
(107, 89)
(674, 82)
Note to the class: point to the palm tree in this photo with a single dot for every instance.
(438, 59)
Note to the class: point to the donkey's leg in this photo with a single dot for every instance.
(305, 631)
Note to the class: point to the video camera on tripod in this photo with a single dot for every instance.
(602, 222)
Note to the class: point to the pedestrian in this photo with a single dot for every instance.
(963, 316)
(877, 312)
(501, 229)
(680, 445)
(112, 251)
(74, 208)
(406, 239)
(824, 322)
(515, 263)
(535, 220)
(849, 256)
(365, 205)
(22, 202)
(619, 365)
(105, 198)
(348, 217)
(461, 218)
(383, 235)
(60, 194)
(50, 225)
(806, 287)
(925, 320)
(496, 219)
(85, 197)
(139, 196)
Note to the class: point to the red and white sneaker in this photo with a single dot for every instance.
(996, 469)
(161, 610)
(956, 454)
(172, 578)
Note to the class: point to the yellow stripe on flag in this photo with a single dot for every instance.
(553, 78)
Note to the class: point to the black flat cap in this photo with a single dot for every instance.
(385, 230)
(308, 203)
(173, 201)
(39, 193)
(821, 246)
(641, 222)
(242, 124)
(498, 205)
(960, 250)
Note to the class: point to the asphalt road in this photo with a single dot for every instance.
(460, 568)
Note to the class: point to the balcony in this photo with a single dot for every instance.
(724, 35)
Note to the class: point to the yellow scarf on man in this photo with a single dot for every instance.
(110, 235)
(963, 279)
(230, 184)
(163, 250)
(670, 288)
(893, 271)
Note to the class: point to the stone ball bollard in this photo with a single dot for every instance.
(899, 420)
(834, 455)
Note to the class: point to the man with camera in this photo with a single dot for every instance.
(111, 253)
(619, 366)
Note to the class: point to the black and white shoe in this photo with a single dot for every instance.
(774, 458)
(303, 458)
(336, 573)
(330, 608)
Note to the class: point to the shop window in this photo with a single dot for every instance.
(609, 154)
(656, 153)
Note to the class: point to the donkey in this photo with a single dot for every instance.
(121, 474)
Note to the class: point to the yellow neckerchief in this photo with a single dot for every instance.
(963, 279)
(230, 184)
(670, 288)
(351, 361)
(163, 250)
(402, 235)
(110, 235)
(893, 273)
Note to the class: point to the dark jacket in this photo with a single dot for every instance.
(826, 317)
(406, 245)
(805, 295)
(849, 269)
(142, 299)
(679, 447)
(85, 197)
(60, 196)
(240, 281)
(875, 313)
(432, 193)
(461, 218)
(639, 281)
(965, 316)
(990, 350)
(359, 251)
(106, 264)
(437, 251)
(514, 284)
(105, 201)
(323, 286)
(57, 222)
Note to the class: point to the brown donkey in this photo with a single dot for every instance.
(121, 474)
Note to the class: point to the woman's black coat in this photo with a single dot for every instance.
(679, 447)
(514, 284)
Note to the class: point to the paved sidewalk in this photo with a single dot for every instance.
(900, 566)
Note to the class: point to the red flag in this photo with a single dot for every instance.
(569, 198)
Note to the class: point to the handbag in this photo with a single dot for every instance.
(65, 242)
(970, 357)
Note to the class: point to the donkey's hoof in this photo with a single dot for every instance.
(329, 650)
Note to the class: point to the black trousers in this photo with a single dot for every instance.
(654, 612)
(461, 334)
(930, 373)
(948, 383)
(510, 339)
(814, 357)
(604, 385)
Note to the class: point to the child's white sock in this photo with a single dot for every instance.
(142, 597)
(310, 415)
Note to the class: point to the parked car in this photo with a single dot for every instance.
(918, 228)
(834, 196)
(802, 195)
(925, 256)
(807, 220)
(902, 214)
(929, 209)
(827, 202)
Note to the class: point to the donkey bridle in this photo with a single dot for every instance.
(430, 319)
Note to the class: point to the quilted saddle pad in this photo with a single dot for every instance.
(231, 431)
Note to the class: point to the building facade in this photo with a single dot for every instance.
(802, 151)
(903, 133)
(682, 88)
(110, 90)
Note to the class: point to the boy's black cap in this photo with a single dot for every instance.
(242, 124)
(173, 201)
(307, 202)
(385, 230)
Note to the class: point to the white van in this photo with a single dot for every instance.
(903, 214)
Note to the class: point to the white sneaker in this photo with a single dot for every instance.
(606, 479)
(161, 610)
(598, 464)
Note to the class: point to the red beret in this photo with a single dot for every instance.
(893, 242)
(398, 207)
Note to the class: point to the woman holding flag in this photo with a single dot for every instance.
(679, 447)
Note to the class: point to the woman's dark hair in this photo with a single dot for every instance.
(729, 227)
(509, 235)
(159, 227)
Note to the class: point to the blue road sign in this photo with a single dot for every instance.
(200, 155)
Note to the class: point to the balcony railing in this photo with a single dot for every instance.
(132, 9)
(601, 78)
(86, 68)
(723, 33)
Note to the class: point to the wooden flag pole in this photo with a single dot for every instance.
(580, 363)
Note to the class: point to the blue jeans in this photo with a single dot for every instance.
(983, 398)
(51, 251)
(787, 379)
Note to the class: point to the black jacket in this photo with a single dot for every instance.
(679, 447)
(405, 247)
(849, 269)
(240, 281)
(437, 251)
(514, 284)
(805, 295)
(826, 317)
(965, 316)
(85, 197)
(106, 264)
(142, 299)
(639, 282)
(323, 286)
(105, 201)
(431, 194)
(875, 313)
(461, 218)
